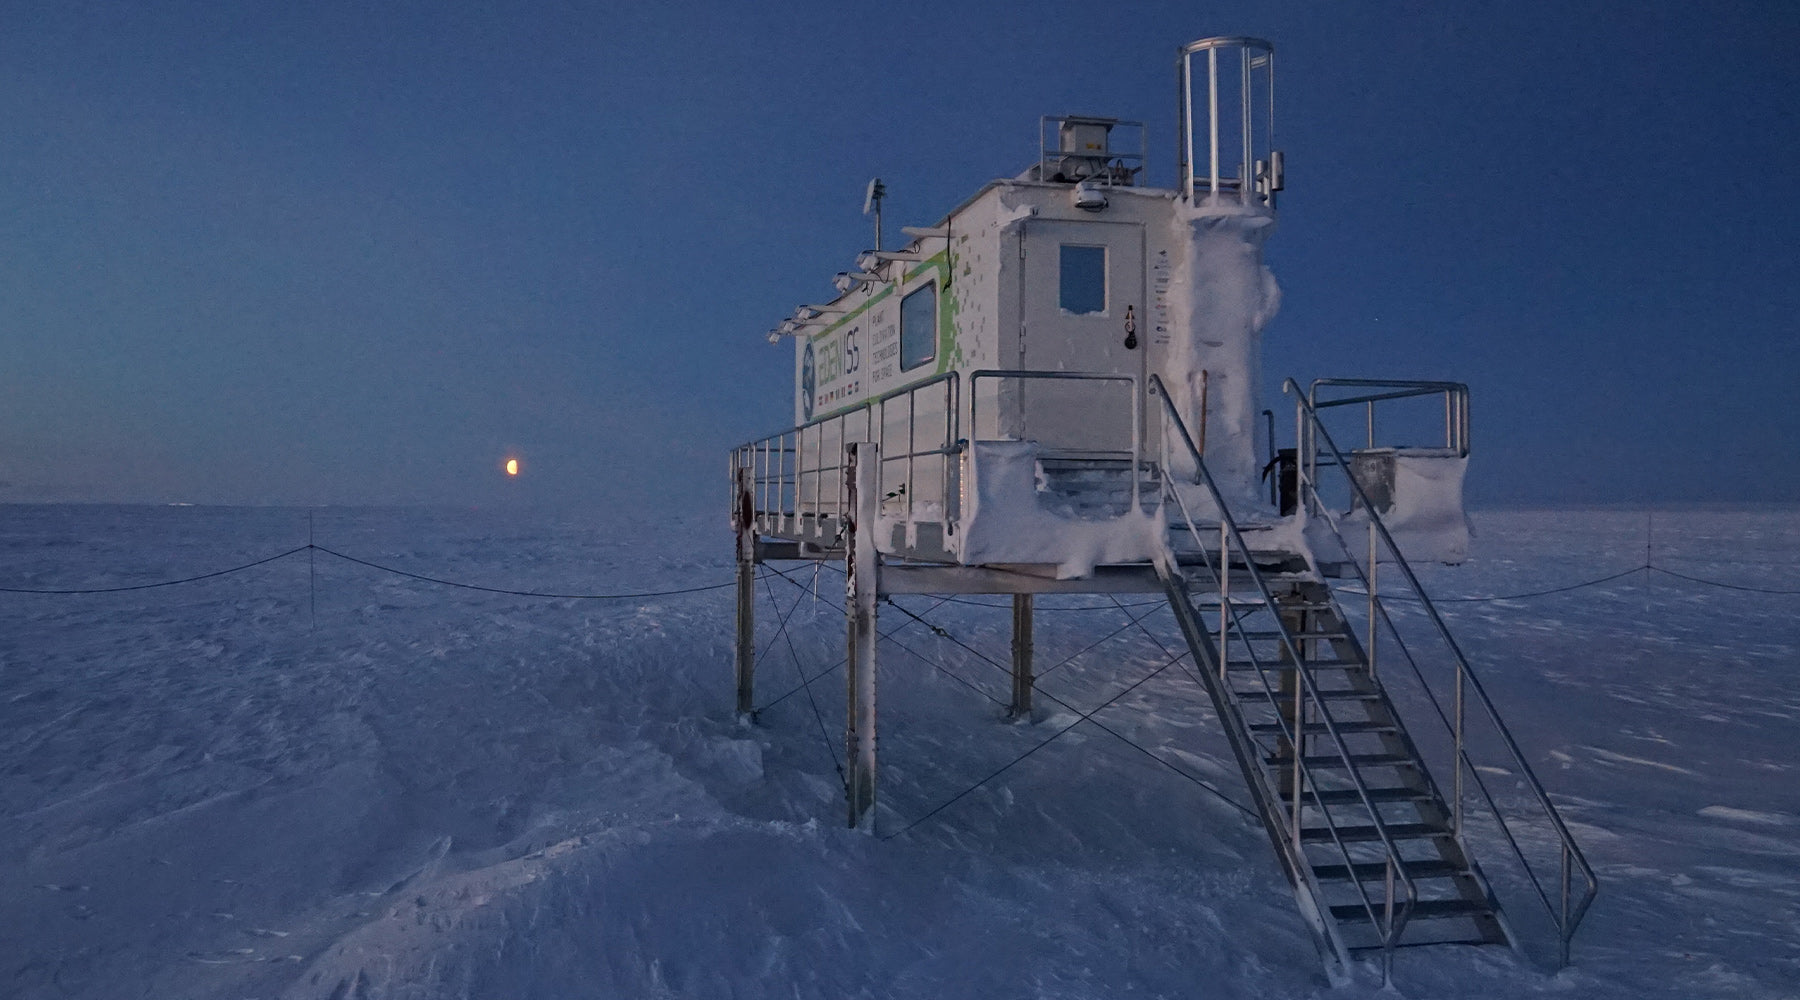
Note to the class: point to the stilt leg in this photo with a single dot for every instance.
(744, 520)
(1021, 673)
(863, 470)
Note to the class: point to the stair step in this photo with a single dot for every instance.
(1318, 728)
(1359, 937)
(1256, 696)
(1308, 664)
(1424, 909)
(1247, 603)
(1366, 833)
(1349, 796)
(1271, 635)
(1375, 871)
(1335, 761)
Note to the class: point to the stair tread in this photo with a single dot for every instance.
(1363, 834)
(1271, 634)
(1249, 601)
(1281, 665)
(1375, 870)
(1350, 796)
(1333, 760)
(1318, 728)
(1335, 694)
(1424, 909)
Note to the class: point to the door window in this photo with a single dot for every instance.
(1082, 279)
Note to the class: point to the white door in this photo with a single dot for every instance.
(1082, 310)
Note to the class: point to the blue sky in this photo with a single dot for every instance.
(357, 253)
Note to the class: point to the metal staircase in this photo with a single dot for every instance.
(1363, 833)
(1376, 852)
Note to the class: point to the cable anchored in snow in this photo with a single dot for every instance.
(1088, 716)
(161, 583)
(805, 682)
(1717, 583)
(1535, 593)
(520, 593)
(1009, 765)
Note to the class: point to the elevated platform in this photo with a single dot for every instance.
(1376, 848)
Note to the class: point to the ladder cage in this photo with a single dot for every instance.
(1226, 149)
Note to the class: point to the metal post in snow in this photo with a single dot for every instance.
(1022, 653)
(743, 518)
(862, 481)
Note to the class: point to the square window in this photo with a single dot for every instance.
(918, 328)
(1082, 288)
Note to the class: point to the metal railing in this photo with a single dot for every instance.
(1387, 913)
(1456, 410)
(796, 476)
(1569, 909)
(1110, 167)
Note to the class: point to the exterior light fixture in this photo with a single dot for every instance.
(1089, 196)
(846, 280)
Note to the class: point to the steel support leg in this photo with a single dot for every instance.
(1022, 679)
(863, 485)
(743, 520)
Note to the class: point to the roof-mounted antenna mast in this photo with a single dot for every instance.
(872, 205)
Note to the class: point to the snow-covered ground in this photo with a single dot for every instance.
(331, 782)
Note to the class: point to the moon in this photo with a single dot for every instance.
(512, 466)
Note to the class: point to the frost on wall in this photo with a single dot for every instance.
(1221, 298)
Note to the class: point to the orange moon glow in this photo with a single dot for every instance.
(512, 466)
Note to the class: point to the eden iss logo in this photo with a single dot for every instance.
(809, 380)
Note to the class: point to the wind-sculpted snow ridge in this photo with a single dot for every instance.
(215, 791)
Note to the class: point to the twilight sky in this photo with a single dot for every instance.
(361, 253)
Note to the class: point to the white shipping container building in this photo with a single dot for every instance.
(1055, 389)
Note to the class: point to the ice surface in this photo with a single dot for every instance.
(424, 792)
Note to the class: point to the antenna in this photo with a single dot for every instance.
(872, 205)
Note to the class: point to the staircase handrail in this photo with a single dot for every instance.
(1392, 922)
(1456, 402)
(1437, 708)
(1572, 857)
